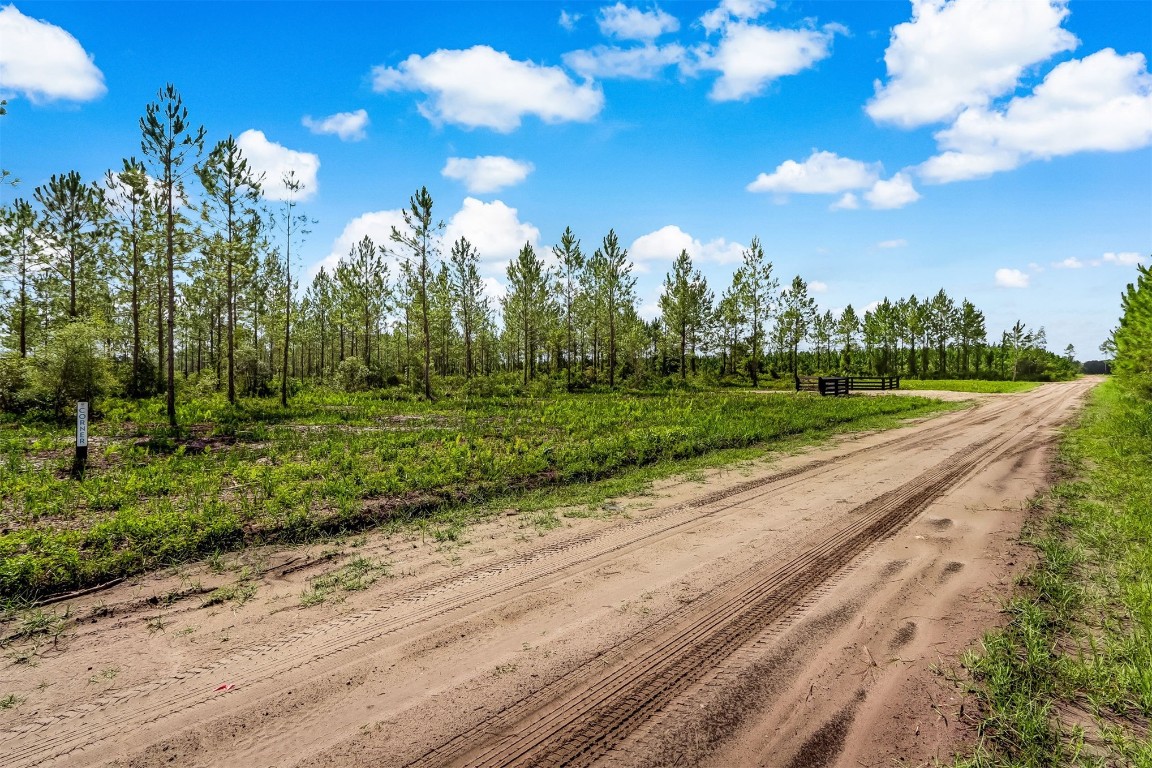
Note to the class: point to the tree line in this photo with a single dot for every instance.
(135, 282)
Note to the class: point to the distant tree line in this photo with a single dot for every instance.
(123, 283)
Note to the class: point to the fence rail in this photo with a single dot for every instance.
(873, 382)
(842, 385)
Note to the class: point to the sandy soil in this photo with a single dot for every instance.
(802, 612)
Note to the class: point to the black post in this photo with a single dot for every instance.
(81, 459)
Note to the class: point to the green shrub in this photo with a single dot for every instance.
(352, 374)
(70, 368)
(14, 394)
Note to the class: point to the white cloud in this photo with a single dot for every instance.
(1069, 263)
(626, 23)
(43, 62)
(895, 192)
(847, 202)
(734, 9)
(665, 244)
(1102, 102)
(349, 126)
(487, 173)
(1011, 278)
(821, 173)
(274, 160)
(374, 224)
(749, 57)
(818, 287)
(493, 228)
(494, 290)
(642, 62)
(869, 307)
(483, 88)
(900, 243)
(1126, 259)
(964, 53)
(568, 20)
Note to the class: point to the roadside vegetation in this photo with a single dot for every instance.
(968, 385)
(333, 462)
(1069, 680)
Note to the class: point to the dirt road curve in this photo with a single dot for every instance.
(788, 615)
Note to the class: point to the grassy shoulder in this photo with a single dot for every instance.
(332, 463)
(969, 385)
(1069, 680)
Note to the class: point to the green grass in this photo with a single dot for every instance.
(332, 463)
(969, 385)
(358, 574)
(1080, 635)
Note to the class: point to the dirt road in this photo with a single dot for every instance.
(786, 614)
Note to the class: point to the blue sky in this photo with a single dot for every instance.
(1000, 150)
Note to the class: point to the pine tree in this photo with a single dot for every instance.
(570, 268)
(19, 255)
(684, 305)
(618, 286)
(133, 206)
(168, 141)
(468, 296)
(73, 223)
(419, 240)
(233, 191)
(797, 313)
(527, 291)
(757, 289)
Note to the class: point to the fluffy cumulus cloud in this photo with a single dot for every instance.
(374, 224)
(1102, 102)
(493, 228)
(568, 20)
(817, 286)
(487, 173)
(955, 54)
(480, 87)
(641, 62)
(1011, 278)
(749, 57)
(895, 192)
(43, 62)
(826, 173)
(847, 202)
(729, 10)
(274, 161)
(1126, 259)
(627, 23)
(821, 173)
(664, 245)
(349, 126)
(1122, 259)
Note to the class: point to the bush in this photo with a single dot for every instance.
(69, 368)
(352, 375)
(14, 394)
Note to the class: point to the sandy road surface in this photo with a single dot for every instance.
(787, 614)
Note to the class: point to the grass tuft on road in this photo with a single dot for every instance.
(1069, 680)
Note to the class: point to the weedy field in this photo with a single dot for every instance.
(334, 462)
(969, 385)
(1069, 680)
